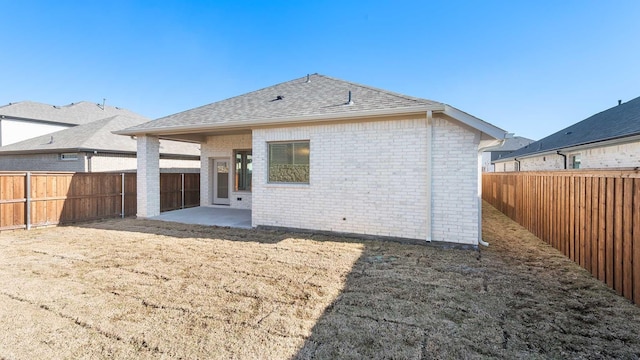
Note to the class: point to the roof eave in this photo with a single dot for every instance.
(281, 121)
(475, 123)
(577, 147)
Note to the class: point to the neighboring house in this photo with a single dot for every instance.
(26, 119)
(319, 153)
(92, 147)
(510, 145)
(609, 139)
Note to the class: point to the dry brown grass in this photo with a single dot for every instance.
(145, 289)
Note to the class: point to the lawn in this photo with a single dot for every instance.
(147, 289)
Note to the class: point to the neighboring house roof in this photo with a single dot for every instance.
(311, 98)
(618, 122)
(95, 136)
(73, 114)
(512, 144)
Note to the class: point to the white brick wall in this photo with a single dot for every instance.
(222, 147)
(148, 178)
(613, 156)
(455, 182)
(370, 178)
(616, 156)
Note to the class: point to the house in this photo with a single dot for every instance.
(510, 145)
(26, 119)
(609, 139)
(319, 153)
(92, 147)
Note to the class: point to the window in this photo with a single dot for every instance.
(69, 156)
(289, 162)
(576, 161)
(244, 169)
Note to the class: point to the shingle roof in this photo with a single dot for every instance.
(514, 143)
(75, 113)
(617, 122)
(96, 135)
(322, 95)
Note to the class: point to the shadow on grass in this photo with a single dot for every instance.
(399, 301)
(518, 298)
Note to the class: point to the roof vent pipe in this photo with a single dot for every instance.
(619, 102)
(350, 102)
(308, 79)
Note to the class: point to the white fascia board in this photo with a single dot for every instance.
(474, 122)
(250, 124)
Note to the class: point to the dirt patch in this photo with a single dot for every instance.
(147, 289)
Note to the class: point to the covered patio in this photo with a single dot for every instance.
(209, 215)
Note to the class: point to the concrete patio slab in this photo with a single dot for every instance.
(212, 216)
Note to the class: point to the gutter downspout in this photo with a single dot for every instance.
(518, 161)
(565, 158)
(481, 149)
(429, 185)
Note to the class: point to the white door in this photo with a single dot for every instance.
(221, 182)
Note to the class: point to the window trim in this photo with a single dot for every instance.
(575, 157)
(287, 183)
(69, 157)
(235, 171)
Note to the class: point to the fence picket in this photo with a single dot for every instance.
(58, 198)
(591, 216)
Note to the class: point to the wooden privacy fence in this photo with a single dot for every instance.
(593, 217)
(39, 199)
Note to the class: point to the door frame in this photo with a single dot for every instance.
(215, 200)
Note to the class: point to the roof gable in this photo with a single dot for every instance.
(307, 99)
(617, 122)
(75, 113)
(303, 97)
(96, 135)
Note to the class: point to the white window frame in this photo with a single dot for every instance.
(69, 157)
(308, 142)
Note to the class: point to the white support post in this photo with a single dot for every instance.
(122, 197)
(429, 204)
(148, 177)
(182, 190)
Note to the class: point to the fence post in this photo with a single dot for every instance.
(182, 190)
(122, 196)
(28, 200)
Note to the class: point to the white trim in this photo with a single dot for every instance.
(475, 123)
(250, 124)
(429, 186)
(215, 200)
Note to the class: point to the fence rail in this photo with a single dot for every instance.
(593, 217)
(39, 199)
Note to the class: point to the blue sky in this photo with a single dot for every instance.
(530, 67)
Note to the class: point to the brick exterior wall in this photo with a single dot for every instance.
(603, 157)
(370, 178)
(41, 162)
(615, 156)
(455, 182)
(223, 147)
(148, 179)
(115, 162)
